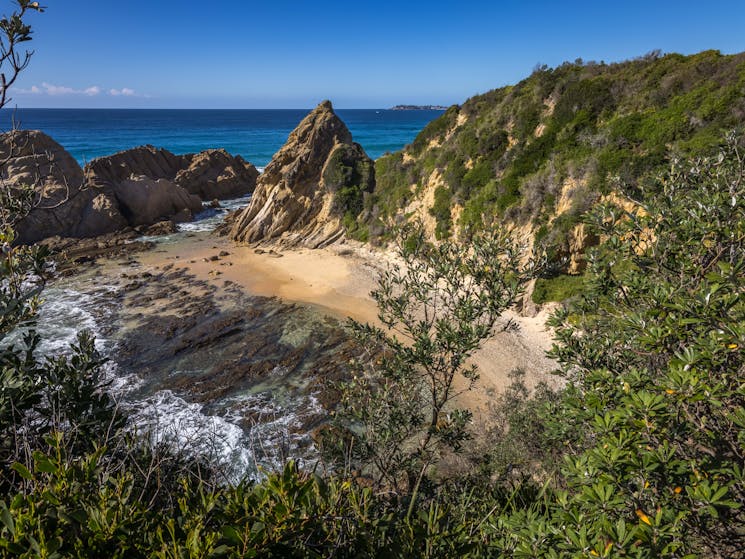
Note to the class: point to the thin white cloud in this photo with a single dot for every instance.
(92, 91)
(125, 91)
(54, 90)
(50, 89)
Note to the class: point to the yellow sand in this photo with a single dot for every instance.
(338, 281)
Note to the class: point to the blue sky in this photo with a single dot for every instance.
(284, 54)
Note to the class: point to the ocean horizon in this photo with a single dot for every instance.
(254, 134)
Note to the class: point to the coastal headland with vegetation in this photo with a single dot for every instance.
(520, 335)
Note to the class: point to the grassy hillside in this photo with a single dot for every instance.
(541, 152)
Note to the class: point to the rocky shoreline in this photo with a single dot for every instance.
(136, 188)
(265, 365)
(251, 333)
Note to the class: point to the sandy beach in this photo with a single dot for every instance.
(337, 280)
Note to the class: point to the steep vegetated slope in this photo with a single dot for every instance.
(538, 154)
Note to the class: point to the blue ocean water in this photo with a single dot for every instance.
(254, 134)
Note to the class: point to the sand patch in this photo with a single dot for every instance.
(335, 279)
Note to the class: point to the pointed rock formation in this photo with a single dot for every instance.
(315, 181)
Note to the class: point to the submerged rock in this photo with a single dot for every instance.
(223, 348)
(316, 180)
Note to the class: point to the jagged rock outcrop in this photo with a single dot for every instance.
(148, 161)
(100, 216)
(144, 201)
(141, 181)
(215, 173)
(62, 205)
(135, 187)
(316, 179)
(210, 174)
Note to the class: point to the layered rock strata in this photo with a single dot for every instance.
(314, 181)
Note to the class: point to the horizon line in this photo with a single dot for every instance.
(214, 108)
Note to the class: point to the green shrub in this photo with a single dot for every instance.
(441, 212)
(654, 359)
(559, 288)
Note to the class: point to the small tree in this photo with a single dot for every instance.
(437, 304)
(38, 394)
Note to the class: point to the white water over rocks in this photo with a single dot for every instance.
(239, 447)
(208, 219)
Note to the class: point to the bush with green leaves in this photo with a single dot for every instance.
(654, 356)
(38, 394)
(436, 304)
(648, 434)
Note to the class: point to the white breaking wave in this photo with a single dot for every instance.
(274, 435)
(60, 318)
(204, 222)
(169, 419)
(210, 218)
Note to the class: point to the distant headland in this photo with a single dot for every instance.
(418, 108)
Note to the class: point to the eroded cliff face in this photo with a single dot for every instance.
(311, 185)
(140, 186)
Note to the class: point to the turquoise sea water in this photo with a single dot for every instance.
(254, 134)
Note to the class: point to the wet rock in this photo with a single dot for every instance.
(252, 358)
(166, 227)
(67, 252)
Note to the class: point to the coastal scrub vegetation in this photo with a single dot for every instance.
(641, 454)
(544, 151)
(399, 416)
(350, 177)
